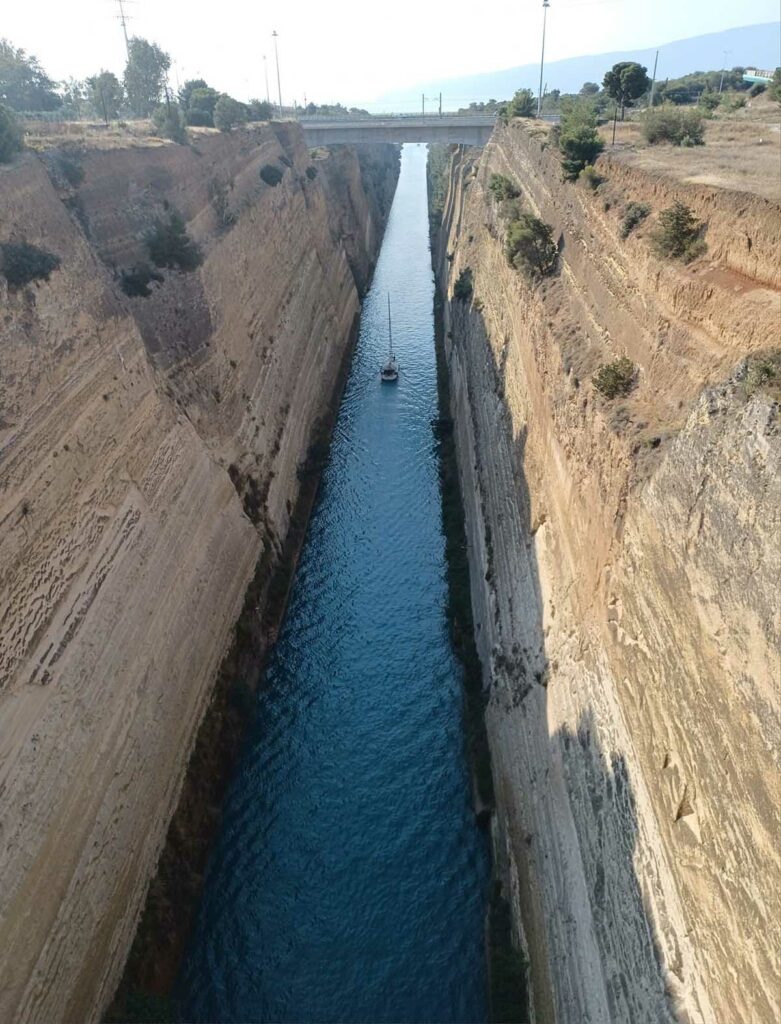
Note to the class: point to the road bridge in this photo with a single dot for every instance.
(465, 129)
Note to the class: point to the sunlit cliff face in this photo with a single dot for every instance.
(623, 560)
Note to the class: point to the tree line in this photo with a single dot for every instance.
(141, 92)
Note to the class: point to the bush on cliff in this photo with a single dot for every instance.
(578, 139)
(271, 174)
(616, 378)
(169, 122)
(462, 289)
(634, 214)
(229, 113)
(21, 263)
(529, 246)
(136, 281)
(679, 234)
(502, 188)
(590, 177)
(169, 245)
(523, 104)
(681, 126)
(10, 135)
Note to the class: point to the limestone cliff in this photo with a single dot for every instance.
(150, 454)
(625, 563)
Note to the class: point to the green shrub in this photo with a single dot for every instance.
(577, 138)
(757, 89)
(677, 125)
(529, 246)
(462, 289)
(136, 281)
(501, 187)
(259, 110)
(763, 372)
(523, 104)
(10, 135)
(169, 244)
(22, 263)
(733, 101)
(68, 166)
(678, 235)
(589, 176)
(634, 213)
(616, 378)
(169, 122)
(200, 119)
(775, 86)
(229, 113)
(709, 100)
(217, 191)
(271, 174)
(311, 172)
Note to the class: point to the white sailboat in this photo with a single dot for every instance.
(389, 373)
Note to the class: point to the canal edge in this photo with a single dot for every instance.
(146, 988)
(507, 968)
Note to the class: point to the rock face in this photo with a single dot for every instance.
(625, 562)
(149, 457)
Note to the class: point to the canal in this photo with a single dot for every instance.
(349, 880)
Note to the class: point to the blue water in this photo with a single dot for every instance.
(349, 879)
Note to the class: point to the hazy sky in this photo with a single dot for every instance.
(350, 50)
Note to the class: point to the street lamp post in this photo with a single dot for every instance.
(545, 6)
(279, 84)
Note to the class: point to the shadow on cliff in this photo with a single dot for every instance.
(572, 779)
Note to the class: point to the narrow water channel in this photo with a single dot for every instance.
(349, 879)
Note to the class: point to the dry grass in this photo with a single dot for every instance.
(742, 151)
(40, 135)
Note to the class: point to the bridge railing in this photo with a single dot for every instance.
(368, 118)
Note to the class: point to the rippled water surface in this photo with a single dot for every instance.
(349, 879)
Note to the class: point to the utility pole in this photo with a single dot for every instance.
(123, 19)
(265, 75)
(545, 6)
(279, 83)
(423, 101)
(723, 69)
(440, 104)
(653, 80)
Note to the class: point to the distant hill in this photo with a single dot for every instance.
(751, 45)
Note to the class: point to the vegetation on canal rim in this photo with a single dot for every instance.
(679, 234)
(616, 378)
(529, 246)
(680, 126)
(11, 140)
(502, 187)
(21, 263)
(169, 244)
(634, 214)
(271, 174)
(462, 289)
(578, 139)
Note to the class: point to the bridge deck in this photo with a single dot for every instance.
(467, 129)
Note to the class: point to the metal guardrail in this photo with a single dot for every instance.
(369, 118)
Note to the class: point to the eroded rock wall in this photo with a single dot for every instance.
(625, 563)
(150, 450)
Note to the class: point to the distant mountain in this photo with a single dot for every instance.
(749, 46)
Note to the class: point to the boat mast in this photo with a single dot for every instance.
(390, 333)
